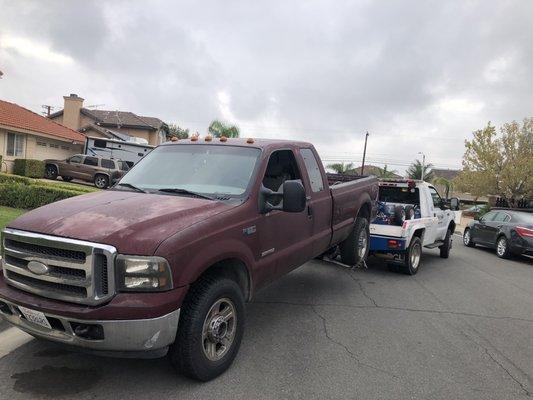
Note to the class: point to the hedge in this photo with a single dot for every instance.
(9, 178)
(20, 195)
(29, 167)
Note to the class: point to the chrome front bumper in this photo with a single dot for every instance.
(142, 335)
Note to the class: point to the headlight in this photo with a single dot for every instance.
(143, 274)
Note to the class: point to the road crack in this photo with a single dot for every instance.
(346, 349)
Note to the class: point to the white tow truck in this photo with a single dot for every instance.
(411, 215)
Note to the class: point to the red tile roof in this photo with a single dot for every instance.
(15, 116)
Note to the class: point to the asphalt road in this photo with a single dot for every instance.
(460, 329)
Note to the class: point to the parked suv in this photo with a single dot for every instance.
(101, 171)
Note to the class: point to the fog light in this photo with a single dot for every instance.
(88, 331)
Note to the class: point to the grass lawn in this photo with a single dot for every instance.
(7, 214)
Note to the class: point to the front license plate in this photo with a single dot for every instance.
(36, 317)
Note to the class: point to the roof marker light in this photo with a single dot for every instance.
(174, 139)
(208, 138)
(223, 139)
(249, 140)
(194, 138)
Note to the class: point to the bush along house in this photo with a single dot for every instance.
(27, 135)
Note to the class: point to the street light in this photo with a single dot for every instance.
(423, 164)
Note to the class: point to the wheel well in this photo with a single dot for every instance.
(419, 233)
(452, 226)
(365, 211)
(101, 173)
(234, 269)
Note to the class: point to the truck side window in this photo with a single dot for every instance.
(313, 171)
(107, 163)
(75, 159)
(91, 161)
(437, 201)
(281, 167)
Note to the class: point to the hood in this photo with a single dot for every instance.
(135, 223)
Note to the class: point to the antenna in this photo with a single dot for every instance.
(47, 109)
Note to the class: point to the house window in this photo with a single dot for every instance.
(65, 148)
(43, 144)
(15, 144)
(54, 146)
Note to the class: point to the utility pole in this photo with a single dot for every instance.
(423, 164)
(47, 109)
(364, 155)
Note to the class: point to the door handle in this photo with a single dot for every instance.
(309, 212)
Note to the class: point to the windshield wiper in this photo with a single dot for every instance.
(184, 191)
(129, 185)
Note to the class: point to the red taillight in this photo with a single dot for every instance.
(393, 244)
(524, 232)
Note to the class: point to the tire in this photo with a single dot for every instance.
(399, 215)
(66, 178)
(467, 238)
(354, 249)
(411, 263)
(50, 172)
(447, 246)
(190, 354)
(101, 181)
(502, 247)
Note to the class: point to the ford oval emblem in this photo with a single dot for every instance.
(38, 268)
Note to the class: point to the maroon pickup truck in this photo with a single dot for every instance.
(164, 261)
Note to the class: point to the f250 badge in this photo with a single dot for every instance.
(249, 231)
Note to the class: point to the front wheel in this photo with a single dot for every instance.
(413, 256)
(354, 249)
(447, 246)
(210, 329)
(467, 238)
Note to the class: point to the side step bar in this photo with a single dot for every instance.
(433, 245)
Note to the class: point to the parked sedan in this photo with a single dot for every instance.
(509, 232)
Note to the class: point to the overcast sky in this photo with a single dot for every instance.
(420, 76)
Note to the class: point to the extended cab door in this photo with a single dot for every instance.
(319, 205)
(73, 167)
(285, 239)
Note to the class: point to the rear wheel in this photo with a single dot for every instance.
(502, 247)
(413, 256)
(354, 249)
(467, 238)
(101, 181)
(447, 246)
(50, 172)
(210, 328)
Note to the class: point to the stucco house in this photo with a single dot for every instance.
(25, 134)
(122, 125)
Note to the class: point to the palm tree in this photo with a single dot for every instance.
(341, 168)
(218, 129)
(386, 173)
(447, 183)
(415, 171)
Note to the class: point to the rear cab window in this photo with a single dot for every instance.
(313, 171)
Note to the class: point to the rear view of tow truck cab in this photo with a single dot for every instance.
(411, 211)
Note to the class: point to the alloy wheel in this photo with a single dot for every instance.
(219, 329)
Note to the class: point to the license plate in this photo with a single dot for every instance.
(36, 317)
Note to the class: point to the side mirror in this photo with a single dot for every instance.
(292, 197)
(454, 203)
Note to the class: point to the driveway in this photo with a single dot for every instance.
(461, 328)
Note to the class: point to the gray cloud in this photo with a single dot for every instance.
(420, 76)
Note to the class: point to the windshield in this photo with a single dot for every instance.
(208, 169)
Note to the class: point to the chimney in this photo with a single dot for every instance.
(71, 111)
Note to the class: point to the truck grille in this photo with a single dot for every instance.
(74, 270)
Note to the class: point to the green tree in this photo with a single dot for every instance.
(218, 129)
(385, 172)
(341, 168)
(176, 131)
(415, 171)
(446, 183)
(499, 164)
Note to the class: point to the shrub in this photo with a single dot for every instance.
(28, 167)
(20, 195)
(8, 178)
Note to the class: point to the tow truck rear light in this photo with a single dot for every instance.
(393, 244)
(524, 232)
